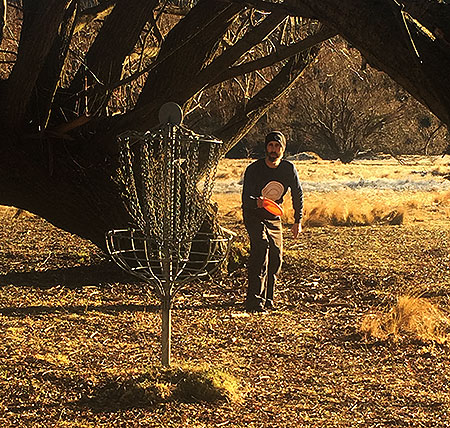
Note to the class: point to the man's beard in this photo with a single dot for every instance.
(273, 156)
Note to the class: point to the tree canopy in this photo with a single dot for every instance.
(75, 74)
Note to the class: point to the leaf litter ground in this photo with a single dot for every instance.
(79, 338)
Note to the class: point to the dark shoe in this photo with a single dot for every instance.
(269, 306)
(255, 309)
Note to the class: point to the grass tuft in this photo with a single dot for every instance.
(351, 213)
(207, 385)
(415, 316)
(162, 386)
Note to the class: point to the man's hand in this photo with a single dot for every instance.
(296, 229)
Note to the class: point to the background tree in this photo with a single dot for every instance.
(410, 41)
(342, 106)
(70, 63)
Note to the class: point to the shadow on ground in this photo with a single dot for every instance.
(72, 277)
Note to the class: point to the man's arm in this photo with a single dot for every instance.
(297, 202)
(296, 229)
(248, 191)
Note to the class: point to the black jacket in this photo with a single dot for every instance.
(260, 180)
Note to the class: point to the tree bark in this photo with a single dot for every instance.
(83, 200)
(35, 43)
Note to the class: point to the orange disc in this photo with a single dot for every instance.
(272, 207)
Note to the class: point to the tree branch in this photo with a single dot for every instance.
(184, 53)
(376, 34)
(433, 15)
(246, 118)
(277, 56)
(232, 54)
(290, 7)
(36, 42)
(100, 11)
(2, 17)
(114, 42)
(49, 77)
(181, 56)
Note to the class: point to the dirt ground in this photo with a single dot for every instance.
(79, 338)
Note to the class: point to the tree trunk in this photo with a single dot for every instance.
(80, 199)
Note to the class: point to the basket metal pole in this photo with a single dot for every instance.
(166, 313)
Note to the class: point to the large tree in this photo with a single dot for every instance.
(82, 72)
(75, 82)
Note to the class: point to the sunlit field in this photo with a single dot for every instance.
(407, 190)
(360, 336)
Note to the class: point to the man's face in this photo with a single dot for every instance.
(274, 151)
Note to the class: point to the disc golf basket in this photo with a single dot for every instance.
(166, 176)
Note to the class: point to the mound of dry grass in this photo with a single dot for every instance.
(346, 209)
(442, 198)
(161, 385)
(356, 215)
(410, 316)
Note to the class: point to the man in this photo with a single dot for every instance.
(269, 177)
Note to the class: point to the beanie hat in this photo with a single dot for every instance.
(276, 136)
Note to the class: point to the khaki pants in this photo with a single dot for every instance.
(266, 250)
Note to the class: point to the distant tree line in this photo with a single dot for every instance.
(340, 107)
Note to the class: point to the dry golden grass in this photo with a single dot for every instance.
(350, 210)
(350, 207)
(161, 385)
(415, 316)
(421, 168)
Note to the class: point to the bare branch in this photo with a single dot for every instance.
(97, 12)
(114, 42)
(184, 53)
(277, 56)
(232, 54)
(2, 17)
(290, 7)
(62, 130)
(245, 118)
(49, 77)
